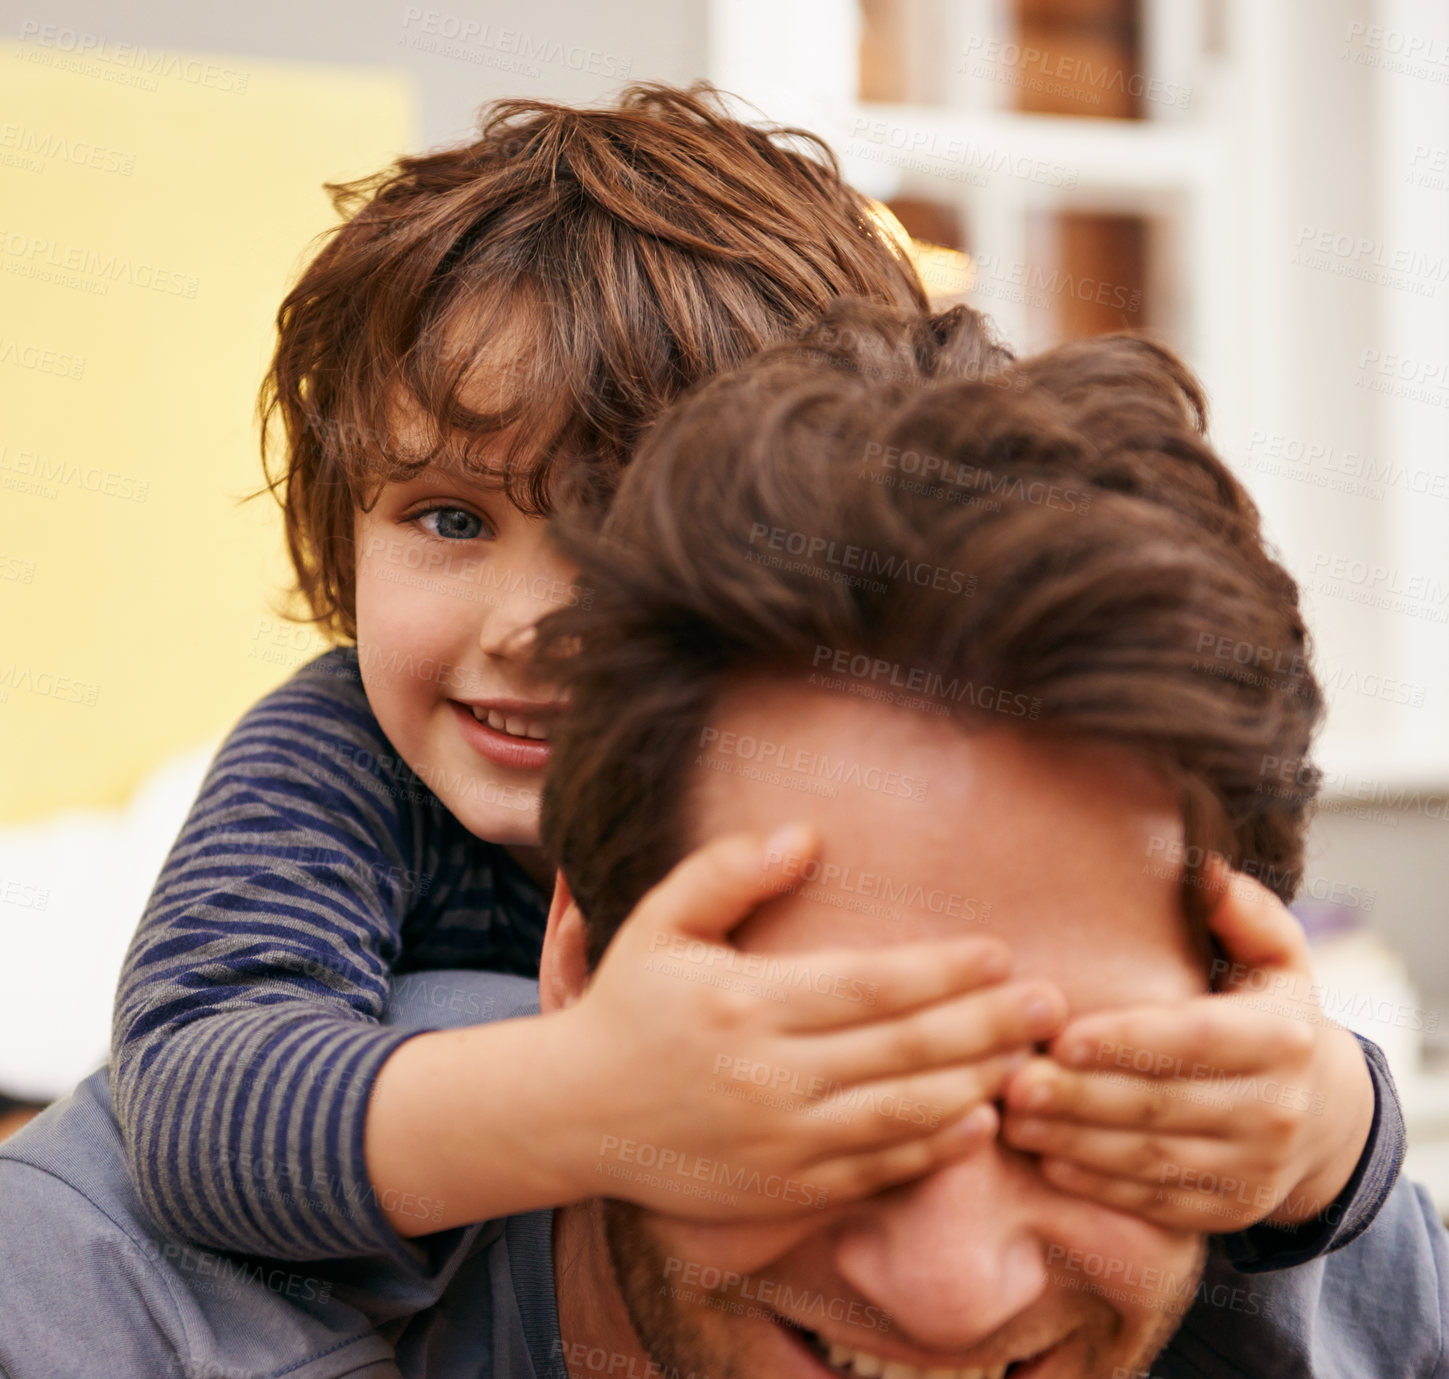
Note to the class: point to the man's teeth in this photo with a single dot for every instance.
(508, 723)
(858, 1362)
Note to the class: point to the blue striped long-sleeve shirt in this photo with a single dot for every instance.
(313, 867)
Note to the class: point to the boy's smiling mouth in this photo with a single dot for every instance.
(514, 724)
(510, 732)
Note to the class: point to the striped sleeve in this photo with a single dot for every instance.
(246, 1035)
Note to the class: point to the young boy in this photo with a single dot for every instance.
(488, 335)
(487, 316)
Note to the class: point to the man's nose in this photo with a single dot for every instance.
(953, 1256)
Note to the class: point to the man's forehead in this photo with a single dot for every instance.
(929, 831)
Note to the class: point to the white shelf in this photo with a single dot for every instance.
(1137, 155)
(1359, 774)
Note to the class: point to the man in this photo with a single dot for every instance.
(1055, 738)
(957, 629)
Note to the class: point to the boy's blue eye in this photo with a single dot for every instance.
(453, 524)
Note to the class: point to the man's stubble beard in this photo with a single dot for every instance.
(679, 1350)
(682, 1351)
(1172, 1318)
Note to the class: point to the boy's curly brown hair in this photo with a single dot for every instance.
(634, 250)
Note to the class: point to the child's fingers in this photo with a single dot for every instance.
(1257, 931)
(715, 888)
(1167, 1105)
(856, 986)
(880, 1114)
(1125, 1194)
(859, 1175)
(840, 1176)
(1139, 1155)
(1209, 1034)
(1164, 1206)
(992, 1020)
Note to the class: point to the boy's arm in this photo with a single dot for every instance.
(246, 1035)
(474, 1124)
(1265, 1247)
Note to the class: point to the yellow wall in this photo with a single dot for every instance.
(172, 205)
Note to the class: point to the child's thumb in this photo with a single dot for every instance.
(719, 884)
(1256, 930)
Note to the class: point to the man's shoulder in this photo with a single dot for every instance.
(463, 996)
(1364, 1305)
(73, 1248)
(55, 1309)
(88, 1278)
(87, 1274)
(92, 1289)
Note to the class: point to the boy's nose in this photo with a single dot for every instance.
(509, 635)
(521, 596)
(953, 1257)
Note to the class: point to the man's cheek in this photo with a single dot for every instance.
(1146, 1273)
(744, 1249)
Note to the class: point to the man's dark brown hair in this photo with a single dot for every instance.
(894, 489)
(586, 265)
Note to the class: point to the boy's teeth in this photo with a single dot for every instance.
(870, 1366)
(514, 726)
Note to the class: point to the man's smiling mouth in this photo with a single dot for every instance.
(862, 1364)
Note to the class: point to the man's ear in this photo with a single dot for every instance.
(563, 970)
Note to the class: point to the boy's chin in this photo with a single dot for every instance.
(506, 827)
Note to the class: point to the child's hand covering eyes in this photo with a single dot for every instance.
(1237, 1107)
(714, 1083)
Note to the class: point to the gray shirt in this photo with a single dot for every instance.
(90, 1288)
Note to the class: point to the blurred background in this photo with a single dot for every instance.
(1264, 184)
